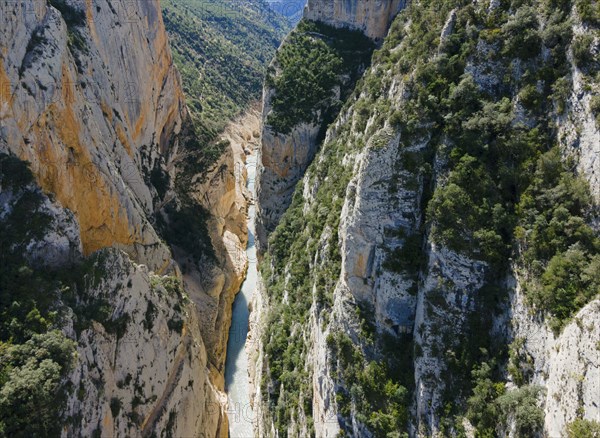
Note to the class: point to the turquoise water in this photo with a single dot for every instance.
(237, 386)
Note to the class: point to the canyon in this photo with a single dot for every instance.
(400, 239)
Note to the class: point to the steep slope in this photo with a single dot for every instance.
(92, 101)
(436, 272)
(221, 49)
(56, 74)
(310, 77)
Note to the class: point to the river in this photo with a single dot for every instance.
(237, 387)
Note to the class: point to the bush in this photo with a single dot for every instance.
(581, 428)
(73, 16)
(461, 211)
(521, 35)
(582, 53)
(482, 411)
(31, 384)
(375, 397)
(589, 11)
(522, 406)
(559, 249)
(570, 281)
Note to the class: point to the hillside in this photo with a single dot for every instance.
(291, 9)
(436, 272)
(221, 49)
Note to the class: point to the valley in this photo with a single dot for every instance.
(320, 218)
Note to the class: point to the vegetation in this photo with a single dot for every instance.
(583, 56)
(491, 407)
(221, 49)
(583, 429)
(30, 375)
(374, 391)
(33, 356)
(560, 251)
(310, 65)
(483, 102)
(284, 341)
(589, 11)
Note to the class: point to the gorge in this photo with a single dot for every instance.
(380, 220)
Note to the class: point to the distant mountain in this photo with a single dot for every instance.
(222, 49)
(291, 9)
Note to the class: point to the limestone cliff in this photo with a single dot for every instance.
(289, 146)
(373, 17)
(408, 272)
(140, 366)
(90, 98)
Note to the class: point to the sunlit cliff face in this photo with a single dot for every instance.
(83, 105)
(373, 17)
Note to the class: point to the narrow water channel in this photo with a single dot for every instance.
(237, 387)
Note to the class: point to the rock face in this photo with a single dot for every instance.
(283, 160)
(358, 268)
(373, 17)
(566, 365)
(91, 99)
(95, 115)
(150, 377)
(140, 367)
(285, 155)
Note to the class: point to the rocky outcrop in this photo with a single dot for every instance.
(370, 193)
(566, 365)
(140, 366)
(91, 99)
(373, 17)
(286, 154)
(283, 160)
(578, 128)
(148, 376)
(222, 191)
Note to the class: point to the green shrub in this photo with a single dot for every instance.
(73, 16)
(482, 409)
(521, 34)
(581, 428)
(558, 246)
(589, 11)
(115, 406)
(377, 399)
(582, 53)
(30, 383)
(309, 72)
(466, 213)
(570, 281)
(312, 61)
(522, 405)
